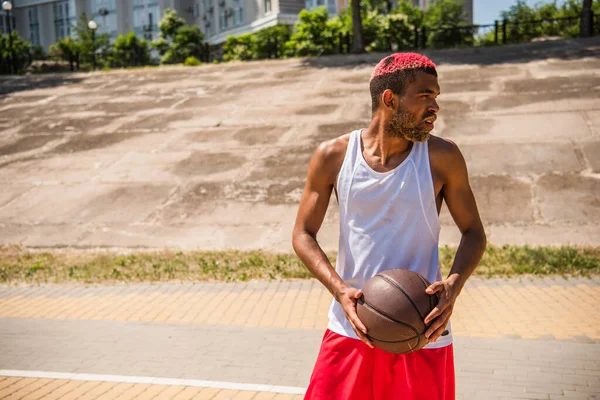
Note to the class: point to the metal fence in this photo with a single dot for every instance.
(498, 33)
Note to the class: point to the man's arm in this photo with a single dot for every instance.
(463, 208)
(322, 171)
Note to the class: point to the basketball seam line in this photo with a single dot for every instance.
(392, 318)
(397, 341)
(426, 286)
(417, 335)
(391, 282)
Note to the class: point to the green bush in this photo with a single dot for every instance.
(129, 50)
(266, 43)
(240, 48)
(67, 49)
(191, 62)
(520, 13)
(178, 41)
(393, 28)
(445, 25)
(38, 53)
(271, 41)
(313, 35)
(21, 51)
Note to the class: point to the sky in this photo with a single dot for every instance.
(486, 11)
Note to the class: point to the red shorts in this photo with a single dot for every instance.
(347, 369)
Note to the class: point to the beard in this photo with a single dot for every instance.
(406, 125)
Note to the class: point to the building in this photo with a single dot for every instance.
(44, 22)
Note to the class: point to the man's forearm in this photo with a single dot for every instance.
(315, 259)
(469, 253)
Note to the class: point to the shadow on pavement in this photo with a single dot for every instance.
(13, 84)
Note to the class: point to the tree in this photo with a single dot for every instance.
(520, 15)
(21, 51)
(587, 19)
(67, 49)
(445, 22)
(90, 42)
(129, 50)
(357, 28)
(313, 34)
(178, 41)
(391, 29)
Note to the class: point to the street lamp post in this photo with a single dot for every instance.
(7, 6)
(92, 25)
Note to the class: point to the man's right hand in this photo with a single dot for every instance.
(347, 298)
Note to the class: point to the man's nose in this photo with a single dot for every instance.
(434, 106)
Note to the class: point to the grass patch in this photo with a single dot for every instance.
(21, 265)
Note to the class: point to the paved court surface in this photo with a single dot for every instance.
(514, 339)
(215, 157)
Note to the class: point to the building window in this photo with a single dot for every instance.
(267, 6)
(34, 26)
(62, 26)
(237, 13)
(331, 7)
(5, 24)
(209, 17)
(146, 14)
(240, 14)
(223, 16)
(105, 15)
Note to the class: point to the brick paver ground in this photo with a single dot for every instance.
(34, 389)
(514, 338)
(526, 308)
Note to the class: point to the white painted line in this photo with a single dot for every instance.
(251, 387)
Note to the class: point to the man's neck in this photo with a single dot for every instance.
(376, 142)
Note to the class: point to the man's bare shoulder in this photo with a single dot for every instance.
(444, 154)
(332, 152)
(329, 156)
(442, 148)
(334, 148)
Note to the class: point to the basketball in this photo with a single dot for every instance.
(393, 307)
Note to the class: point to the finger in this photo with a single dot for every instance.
(436, 287)
(436, 312)
(438, 323)
(358, 294)
(431, 331)
(358, 323)
(352, 316)
(361, 335)
(439, 332)
(365, 339)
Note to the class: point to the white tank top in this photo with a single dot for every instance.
(387, 220)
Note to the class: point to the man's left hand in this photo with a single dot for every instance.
(447, 290)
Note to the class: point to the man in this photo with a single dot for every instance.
(390, 180)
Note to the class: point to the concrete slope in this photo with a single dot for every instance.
(215, 157)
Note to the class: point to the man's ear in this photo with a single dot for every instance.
(389, 100)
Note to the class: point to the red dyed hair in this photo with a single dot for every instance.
(401, 61)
